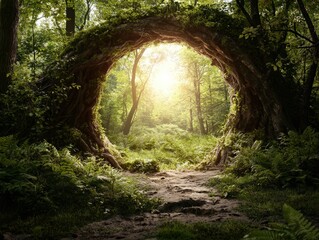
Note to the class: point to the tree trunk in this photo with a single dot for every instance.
(191, 126)
(312, 72)
(254, 12)
(135, 99)
(197, 95)
(129, 120)
(9, 17)
(260, 93)
(70, 17)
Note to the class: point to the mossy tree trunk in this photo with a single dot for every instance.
(260, 91)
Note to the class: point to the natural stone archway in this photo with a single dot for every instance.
(78, 75)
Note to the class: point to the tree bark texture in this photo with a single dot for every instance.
(312, 71)
(70, 17)
(259, 101)
(9, 17)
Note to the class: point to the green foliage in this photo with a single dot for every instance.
(143, 166)
(289, 162)
(43, 185)
(297, 227)
(261, 203)
(166, 146)
(230, 230)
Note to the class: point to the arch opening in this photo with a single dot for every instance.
(172, 84)
(182, 104)
(91, 55)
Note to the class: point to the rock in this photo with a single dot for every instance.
(139, 218)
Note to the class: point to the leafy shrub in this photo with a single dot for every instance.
(297, 227)
(42, 182)
(289, 162)
(143, 166)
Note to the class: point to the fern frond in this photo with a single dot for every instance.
(299, 225)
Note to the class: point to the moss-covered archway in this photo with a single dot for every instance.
(74, 82)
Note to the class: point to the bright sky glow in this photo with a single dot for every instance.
(165, 74)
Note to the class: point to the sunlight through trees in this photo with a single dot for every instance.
(174, 85)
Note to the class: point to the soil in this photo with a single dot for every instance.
(185, 197)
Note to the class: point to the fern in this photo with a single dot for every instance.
(297, 228)
(299, 225)
(6, 142)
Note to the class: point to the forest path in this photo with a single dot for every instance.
(185, 197)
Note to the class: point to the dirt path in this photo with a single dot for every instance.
(186, 198)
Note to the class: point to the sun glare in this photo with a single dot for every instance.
(165, 74)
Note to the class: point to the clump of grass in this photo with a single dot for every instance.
(227, 230)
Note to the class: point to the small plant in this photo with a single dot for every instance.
(143, 166)
(296, 227)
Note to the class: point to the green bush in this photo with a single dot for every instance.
(289, 162)
(39, 184)
(143, 166)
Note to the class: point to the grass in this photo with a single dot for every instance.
(228, 230)
(167, 146)
(264, 204)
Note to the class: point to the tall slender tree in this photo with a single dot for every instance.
(312, 71)
(135, 95)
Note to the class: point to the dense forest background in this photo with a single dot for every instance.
(161, 105)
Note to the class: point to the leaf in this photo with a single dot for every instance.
(299, 225)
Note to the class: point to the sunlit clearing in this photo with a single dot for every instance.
(165, 75)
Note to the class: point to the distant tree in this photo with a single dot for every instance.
(197, 72)
(134, 92)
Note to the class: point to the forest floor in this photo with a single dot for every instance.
(185, 197)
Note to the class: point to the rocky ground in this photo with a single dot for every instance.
(185, 197)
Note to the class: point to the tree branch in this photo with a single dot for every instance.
(294, 32)
(86, 15)
(310, 25)
(244, 11)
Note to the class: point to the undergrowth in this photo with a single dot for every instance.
(46, 192)
(228, 230)
(163, 147)
(296, 227)
(266, 177)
